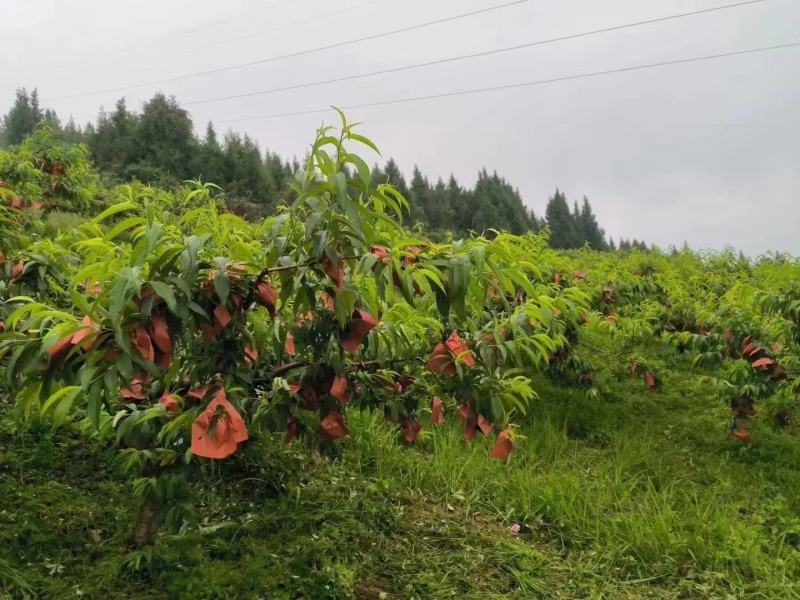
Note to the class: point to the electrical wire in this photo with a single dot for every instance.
(315, 17)
(463, 57)
(203, 27)
(116, 52)
(518, 84)
(291, 54)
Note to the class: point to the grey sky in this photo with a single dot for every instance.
(706, 152)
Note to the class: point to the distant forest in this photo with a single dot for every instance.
(158, 146)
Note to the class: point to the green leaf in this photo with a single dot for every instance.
(343, 306)
(93, 405)
(114, 210)
(361, 166)
(125, 225)
(366, 141)
(165, 292)
(222, 285)
(122, 292)
(67, 394)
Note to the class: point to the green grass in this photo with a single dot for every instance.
(633, 495)
(56, 222)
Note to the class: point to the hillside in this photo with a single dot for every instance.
(324, 403)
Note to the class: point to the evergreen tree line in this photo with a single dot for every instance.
(158, 145)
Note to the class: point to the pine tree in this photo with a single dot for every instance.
(498, 206)
(462, 204)
(164, 143)
(211, 159)
(21, 120)
(35, 109)
(420, 198)
(159, 146)
(278, 175)
(563, 226)
(440, 212)
(394, 176)
(244, 169)
(590, 230)
(536, 224)
(111, 146)
(73, 134)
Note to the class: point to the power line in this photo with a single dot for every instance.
(293, 54)
(205, 26)
(453, 59)
(315, 17)
(517, 85)
(288, 25)
(115, 52)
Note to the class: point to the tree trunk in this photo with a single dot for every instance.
(146, 525)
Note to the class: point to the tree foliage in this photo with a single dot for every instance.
(573, 229)
(158, 146)
(177, 330)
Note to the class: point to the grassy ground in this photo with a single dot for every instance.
(633, 495)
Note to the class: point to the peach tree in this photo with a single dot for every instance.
(182, 332)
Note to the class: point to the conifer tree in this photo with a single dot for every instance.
(112, 144)
(21, 120)
(158, 145)
(590, 230)
(563, 227)
(420, 198)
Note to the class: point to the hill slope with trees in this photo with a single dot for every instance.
(158, 146)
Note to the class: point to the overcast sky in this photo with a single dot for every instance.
(706, 152)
